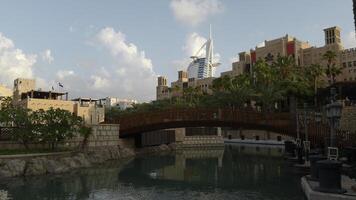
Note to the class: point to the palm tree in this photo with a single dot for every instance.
(313, 72)
(286, 76)
(332, 71)
(285, 66)
(221, 83)
(240, 90)
(192, 96)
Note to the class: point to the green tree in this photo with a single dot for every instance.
(58, 125)
(313, 73)
(85, 132)
(6, 102)
(332, 70)
(291, 80)
(21, 119)
(192, 96)
(267, 86)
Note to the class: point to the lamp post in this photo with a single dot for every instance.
(317, 117)
(306, 122)
(333, 113)
(297, 123)
(306, 142)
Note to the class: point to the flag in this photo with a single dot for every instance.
(60, 84)
(52, 88)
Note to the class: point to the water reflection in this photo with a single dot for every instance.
(233, 172)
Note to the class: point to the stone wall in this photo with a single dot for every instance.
(56, 163)
(348, 119)
(251, 134)
(103, 135)
(28, 165)
(201, 141)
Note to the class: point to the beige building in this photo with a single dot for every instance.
(177, 87)
(304, 54)
(4, 91)
(89, 109)
(26, 96)
(113, 102)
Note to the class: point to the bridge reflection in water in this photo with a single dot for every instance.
(235, 167)
(233, 172)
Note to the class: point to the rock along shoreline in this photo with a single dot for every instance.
(18, 166)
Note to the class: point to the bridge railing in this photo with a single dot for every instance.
(278, 120)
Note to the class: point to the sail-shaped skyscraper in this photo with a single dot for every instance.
(203, 67)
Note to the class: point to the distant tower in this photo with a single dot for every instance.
(332, 35)
(162, 91)
(22, 85)
(182, 76)
(162, 81)
(203, 67)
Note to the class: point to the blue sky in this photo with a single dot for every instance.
(119, 47)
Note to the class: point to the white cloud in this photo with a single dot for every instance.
(100, 82)
(61, 74)
(193, 43)
(193, 12)
(74, 83)
(14, 63)
(47, 56)
(350, 40)
(132, 75)
(71, 29)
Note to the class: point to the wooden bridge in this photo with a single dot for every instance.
(133, 124)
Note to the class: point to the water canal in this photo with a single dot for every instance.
(234, 172)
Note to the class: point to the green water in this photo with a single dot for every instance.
(233, 172)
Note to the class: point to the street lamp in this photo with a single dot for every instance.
(333, 113)
(306, 143)
(318, 117)
(306, 122)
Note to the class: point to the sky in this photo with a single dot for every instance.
(118, 48)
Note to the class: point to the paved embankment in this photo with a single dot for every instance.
(309, 187)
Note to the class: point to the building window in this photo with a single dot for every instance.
(344, 65)
(354, 63)
(350, 64)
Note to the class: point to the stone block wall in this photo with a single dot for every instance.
(251, 134)
(195, 141)
(348, 119)
(104, 135)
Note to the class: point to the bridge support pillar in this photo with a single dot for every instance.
(220, 162)
(180, 134)
(219, 131)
